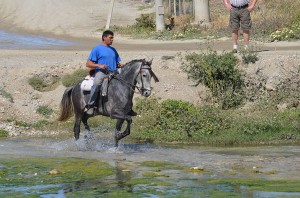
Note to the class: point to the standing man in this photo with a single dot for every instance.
(240, 17)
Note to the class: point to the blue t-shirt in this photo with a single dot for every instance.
(105, 55)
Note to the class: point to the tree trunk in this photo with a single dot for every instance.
(201, 10)
(179, 7)
(160, 20)
(175, 12)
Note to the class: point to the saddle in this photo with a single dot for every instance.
(88, 81)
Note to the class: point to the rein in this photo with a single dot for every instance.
(128, 84)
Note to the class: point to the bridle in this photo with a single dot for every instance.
(132, 86)
(142, 89)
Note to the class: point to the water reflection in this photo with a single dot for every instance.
(123, 175)
(19, 41)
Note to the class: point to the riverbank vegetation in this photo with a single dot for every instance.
(235, 111)
(178, 121)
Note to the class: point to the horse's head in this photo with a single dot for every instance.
(144, 78)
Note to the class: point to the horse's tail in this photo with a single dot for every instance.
(66, 105)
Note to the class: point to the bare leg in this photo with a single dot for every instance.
(246, 35)
(235, 36)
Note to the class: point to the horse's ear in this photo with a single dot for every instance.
(150, 62)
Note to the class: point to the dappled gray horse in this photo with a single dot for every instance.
(118, 102)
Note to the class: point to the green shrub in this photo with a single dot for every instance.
(44, 110)
(38, 124)
(6, 95)
(174, 120)
(179, 121)
(71, 79)
(145, 21)
(249, 56)
(41, 84)
(286, 33)
(3, 133)
(219, 73)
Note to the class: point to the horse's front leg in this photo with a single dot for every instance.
(117, 131)
(118, 135)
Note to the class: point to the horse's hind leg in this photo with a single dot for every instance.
(77, 127)
(88, 133)
(85, 123)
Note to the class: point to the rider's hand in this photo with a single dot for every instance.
(120, 65)
(103, 66)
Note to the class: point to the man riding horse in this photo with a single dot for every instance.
(104, 59)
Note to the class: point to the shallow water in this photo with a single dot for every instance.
(29, 41)
(267, 163)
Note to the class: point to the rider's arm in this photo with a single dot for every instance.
(90, 64)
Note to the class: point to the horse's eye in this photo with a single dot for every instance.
(144, 75)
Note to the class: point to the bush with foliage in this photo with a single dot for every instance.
(6, 95)
(219, 73)
(3, 133)
(71, 79)
(145, 21)
(41, 84)
(249, 56)
(173, 120)
(286, 33)
(179, 121)
(44, 110)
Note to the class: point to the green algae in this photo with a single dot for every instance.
(77, 177)
(154, 174)
(156, 164)
(263, 185)
(149, 182)
(33, 171)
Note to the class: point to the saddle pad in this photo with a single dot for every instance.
(87, 83)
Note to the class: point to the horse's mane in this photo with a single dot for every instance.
(128, 64)
(127, 67)
(134, 60)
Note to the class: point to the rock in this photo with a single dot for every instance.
(282, 107)
(197, 168)
(53, 172)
